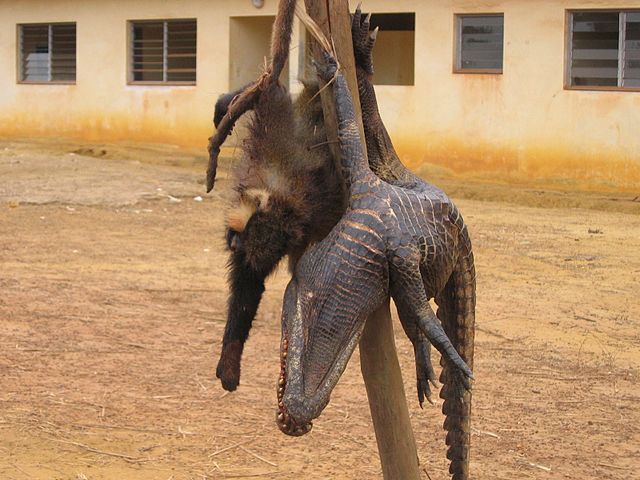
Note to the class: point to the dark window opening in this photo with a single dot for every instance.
(47, 53)
(163, 51)
(394, 52)
(604, 49)
(480, 43)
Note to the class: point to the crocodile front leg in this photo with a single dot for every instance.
(407, 291)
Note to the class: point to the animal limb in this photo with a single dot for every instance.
(410, 243)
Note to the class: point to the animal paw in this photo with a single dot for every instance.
(455, 382)
(327, 71)
(461, 374)
(464, 378)
(363, 40)
(424, 371)
(228, 370)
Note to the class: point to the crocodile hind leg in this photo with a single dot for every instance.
(415, 312)
(422, 351)
(456, 310)
(383, 159)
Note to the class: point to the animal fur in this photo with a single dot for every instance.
(288, 194)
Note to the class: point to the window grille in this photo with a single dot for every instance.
(163, 51)
(47, 53)
(480, 43)
(604, 49)
(631, 50)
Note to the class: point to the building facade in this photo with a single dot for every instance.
(510, 89)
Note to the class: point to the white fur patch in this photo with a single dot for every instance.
(251, 200)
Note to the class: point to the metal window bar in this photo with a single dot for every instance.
(50, 39)
(132, 40)
(23, 70)
(569, 64)
(631, 54)
(621, 38)
(164, 51)
(459, 42)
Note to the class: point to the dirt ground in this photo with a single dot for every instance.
(112, 306)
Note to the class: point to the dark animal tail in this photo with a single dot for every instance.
(456, 311)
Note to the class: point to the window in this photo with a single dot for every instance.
(47, 53)
(480, 43)
(604, 50)
(163, 52)
(394, 52)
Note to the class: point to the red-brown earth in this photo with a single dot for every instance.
(112, 306)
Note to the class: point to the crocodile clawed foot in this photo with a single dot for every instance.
(466, 380)
(363, 40)
(326, 71)
(424, 371)
(424, 390)
(461, 381)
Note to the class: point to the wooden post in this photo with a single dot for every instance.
(378, 357)
(387, 400)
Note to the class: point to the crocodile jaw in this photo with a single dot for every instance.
(306, 381)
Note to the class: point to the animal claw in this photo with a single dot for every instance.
(363, 40)
(328, 70)
(424, 391)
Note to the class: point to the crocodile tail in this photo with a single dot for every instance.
(456, 311)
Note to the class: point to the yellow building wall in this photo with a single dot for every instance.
(101, 106)
(522, 124)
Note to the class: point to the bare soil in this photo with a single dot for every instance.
(112, 307)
